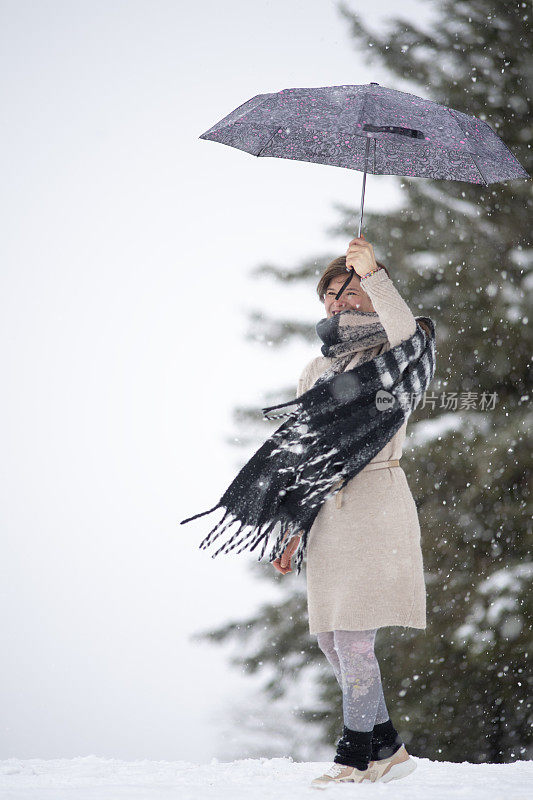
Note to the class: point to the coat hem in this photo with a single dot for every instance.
(366, 627)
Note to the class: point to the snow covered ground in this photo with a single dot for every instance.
(92, 778)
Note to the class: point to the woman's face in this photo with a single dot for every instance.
(353, 296)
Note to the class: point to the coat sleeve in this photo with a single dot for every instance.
(307, 377)
(302, 382)
(394, 313)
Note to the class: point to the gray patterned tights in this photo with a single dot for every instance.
(354, 662)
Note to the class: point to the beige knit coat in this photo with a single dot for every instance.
(364, 559)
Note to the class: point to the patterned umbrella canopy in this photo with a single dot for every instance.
(369, 128)
(409, 136)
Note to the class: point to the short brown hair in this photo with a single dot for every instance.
(333, 270)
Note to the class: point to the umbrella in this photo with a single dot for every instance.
(369, 128)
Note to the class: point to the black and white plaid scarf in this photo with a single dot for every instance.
(333, 430)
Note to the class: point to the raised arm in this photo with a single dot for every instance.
(392, 310)
(394, 313)
(307, 377)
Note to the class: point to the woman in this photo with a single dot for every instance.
(364, 559)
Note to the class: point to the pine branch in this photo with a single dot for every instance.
(270, 331)
(307, 269)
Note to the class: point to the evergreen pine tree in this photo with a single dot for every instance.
(460, 254)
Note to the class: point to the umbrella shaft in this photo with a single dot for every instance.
(351, 269)
(367, 148)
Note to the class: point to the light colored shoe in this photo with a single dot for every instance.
(396, 766)
(339, 773)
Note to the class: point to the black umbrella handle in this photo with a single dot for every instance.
(345, 284)
(352, 271)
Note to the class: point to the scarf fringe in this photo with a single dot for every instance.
(236, 539)
(293, 402)
(243, 540)
(250, 545)
(266, 411)
(300, 552)
(262, 553)
(262, 535)
(213, 535)
(276, 548)
(225, 547)
(256, 535)
(288, 414)
(202, 514)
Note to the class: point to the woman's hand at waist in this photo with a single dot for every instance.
(283, 564)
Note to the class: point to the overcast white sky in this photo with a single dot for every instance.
(126, 250)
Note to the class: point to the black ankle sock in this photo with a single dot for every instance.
(385, 741)
(354, 748)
